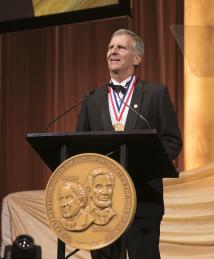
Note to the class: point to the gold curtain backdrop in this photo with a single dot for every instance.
(45, 7)
(199, 83)
(187, 229)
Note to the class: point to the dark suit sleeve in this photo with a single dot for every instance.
(168, 126)
(83, 121)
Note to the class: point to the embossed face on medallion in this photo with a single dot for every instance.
(102, 189)
(100, 186)
(71, 199)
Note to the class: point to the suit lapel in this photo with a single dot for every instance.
(136, 101)
(105, 114)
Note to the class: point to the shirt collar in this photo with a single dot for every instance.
(123, 83)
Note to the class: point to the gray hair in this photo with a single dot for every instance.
(139, 45)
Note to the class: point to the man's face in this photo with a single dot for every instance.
(70, 204)
(121, 56)
(102, 191)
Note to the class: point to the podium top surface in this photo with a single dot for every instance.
(145, 150)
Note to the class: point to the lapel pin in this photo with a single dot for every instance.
(135, 106)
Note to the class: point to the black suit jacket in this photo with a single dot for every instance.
(155, 105)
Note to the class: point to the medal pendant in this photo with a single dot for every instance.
(118, 127)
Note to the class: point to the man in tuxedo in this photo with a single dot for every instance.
(107, 109)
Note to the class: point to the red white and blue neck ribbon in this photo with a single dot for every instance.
(117, 104)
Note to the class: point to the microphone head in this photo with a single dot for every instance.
(90, 92)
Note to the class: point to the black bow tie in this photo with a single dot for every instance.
(118, 88)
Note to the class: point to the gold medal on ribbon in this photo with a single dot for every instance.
(90, 201)
(118, 127)
(119, 107)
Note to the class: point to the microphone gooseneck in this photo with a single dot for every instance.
(132, 109)
(90, 92)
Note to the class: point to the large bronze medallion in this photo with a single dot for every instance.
(90, 201)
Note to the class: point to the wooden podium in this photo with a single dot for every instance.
(138, 150)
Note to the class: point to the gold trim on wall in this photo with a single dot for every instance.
(42, 7)
(199, 83)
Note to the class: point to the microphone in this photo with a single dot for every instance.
(91, 91)
(132, 109)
